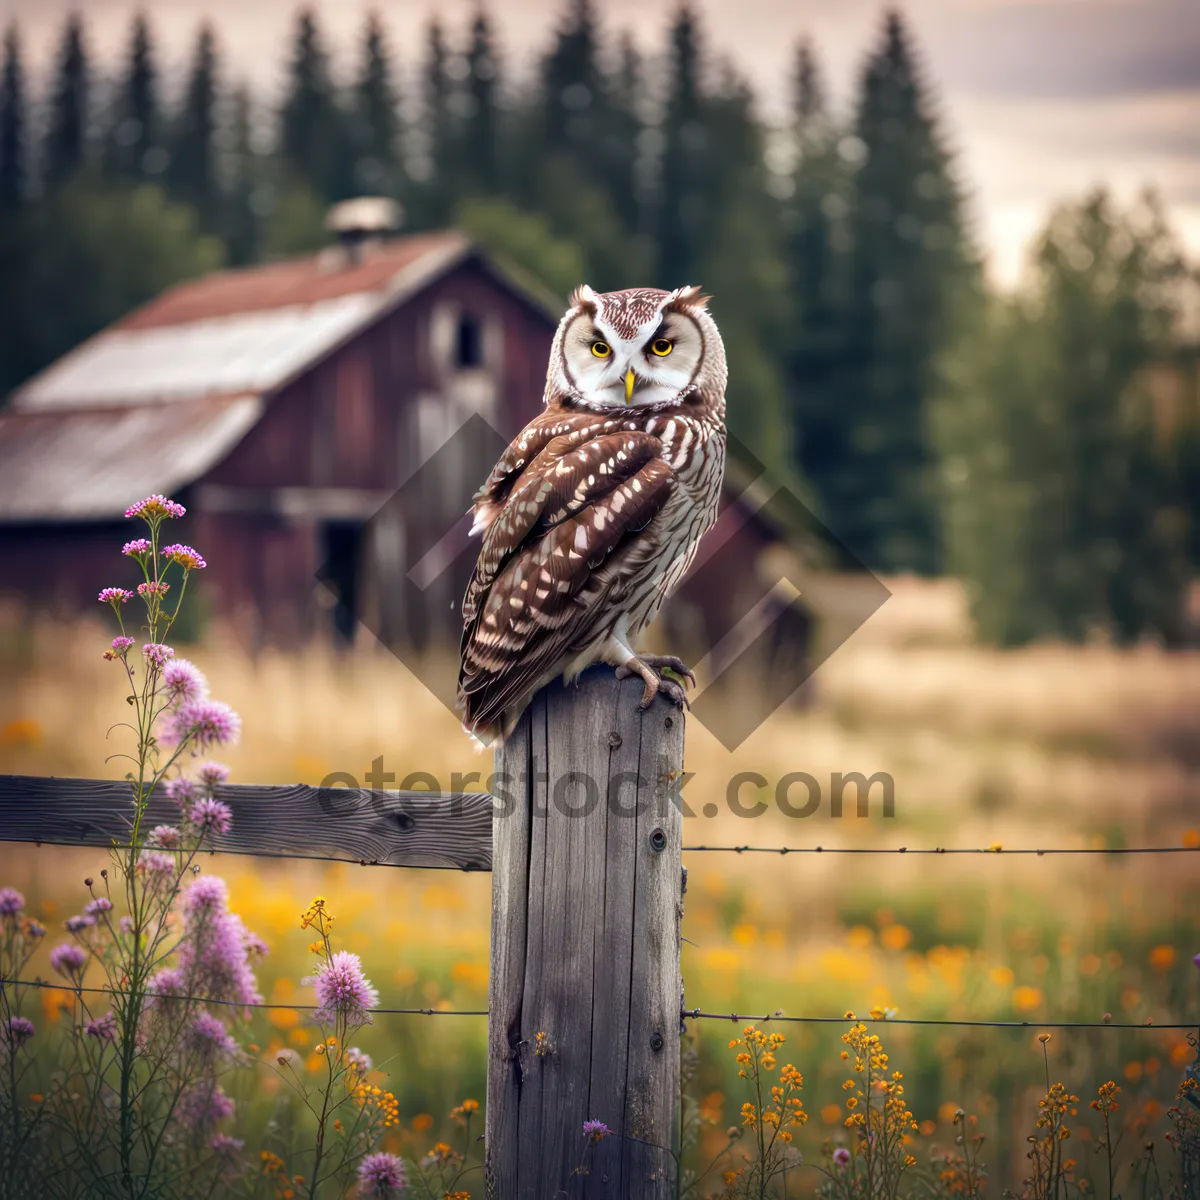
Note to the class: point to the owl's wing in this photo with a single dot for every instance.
(554, 560)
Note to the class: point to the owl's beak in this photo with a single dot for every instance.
(630, 380)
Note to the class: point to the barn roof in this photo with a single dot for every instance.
(92, 463)
(250, 330)
(153, 402)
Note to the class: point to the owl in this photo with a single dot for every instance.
(594, 513)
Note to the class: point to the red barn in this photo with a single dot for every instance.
(285, 404)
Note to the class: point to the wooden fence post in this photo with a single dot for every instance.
(585, 992)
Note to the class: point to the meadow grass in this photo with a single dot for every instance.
(1048, 746)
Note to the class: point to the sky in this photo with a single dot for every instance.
(1041, 99)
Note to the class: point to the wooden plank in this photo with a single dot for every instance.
(599, 940)
(403, 829)
(507, 1059)
(652, 1090)
(614, 944)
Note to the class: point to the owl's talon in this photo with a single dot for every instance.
(655, 683)
(671, 663)
(673, 690)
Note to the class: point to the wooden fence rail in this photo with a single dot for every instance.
(400, 829)
(584, 841)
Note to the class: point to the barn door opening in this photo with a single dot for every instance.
(343, 551)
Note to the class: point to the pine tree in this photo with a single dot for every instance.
(739, 255)
(66, 137)
(435, 166)
(620, 142)
(13, 178)
(135, 128)
(241, 174)
(573, 87)
(192, 173)
(911, 263)
(560, 157)
(481, 157)
(314, 141)
(685, 211)
(816, 266)
(377, 112)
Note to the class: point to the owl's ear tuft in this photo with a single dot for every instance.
(584, 297)
(690, 297)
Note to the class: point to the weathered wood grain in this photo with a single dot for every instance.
(403, 829)
(585, 949)
(510, 883)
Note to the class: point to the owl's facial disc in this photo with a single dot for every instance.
(654, 365)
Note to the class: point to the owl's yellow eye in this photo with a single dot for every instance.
(662, 347)
(601, 349)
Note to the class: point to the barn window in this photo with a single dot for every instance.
(343, 551)
(468, 345)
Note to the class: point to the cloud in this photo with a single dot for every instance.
(1067, 48)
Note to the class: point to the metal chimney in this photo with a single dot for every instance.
(361, 222)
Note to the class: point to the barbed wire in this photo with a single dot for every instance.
(783, 851)
(693, 1014)
(95, 991)
(995, 850)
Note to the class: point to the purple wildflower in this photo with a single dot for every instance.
(103, 1028)
(154, 588)
(183, 680)
(207, 722)
(1196, 960)
(159, 868)
(208, 894)
(79, 923)
(120, 645)
(137, 547)
(226, 1147)
(182, 791)
(210, 1040)
(126, 924)
(204, 1106)
(68, 959)
(596, 1131)
(165, 986)
(211, 817)
(17, 1031)
(343, 989)
(165, 837)
(157, 654)
(11, 902)
(101, 904)
(213, 958)
(114, 596)
(381, 1175)
(212, 774)
(185, 556)
(255, 945)
(155, 506)
(35, 929)
(841, 1157)
(358, 1060)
